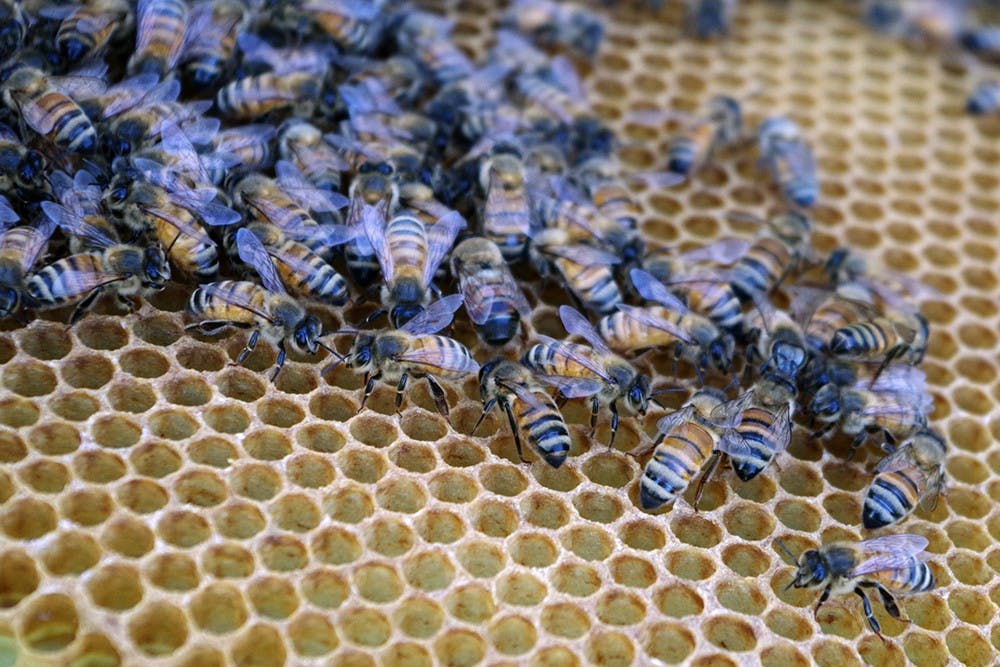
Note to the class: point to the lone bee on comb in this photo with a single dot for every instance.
(911, 475)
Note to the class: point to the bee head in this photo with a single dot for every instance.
(402, 313)
(812, 570)
(826, 403)
(156, 269)
(9, 298)
(638, 394)
(720, 351)
(31, 166)
(307, 334)
(361, 351)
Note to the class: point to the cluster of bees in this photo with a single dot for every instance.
(296, 142)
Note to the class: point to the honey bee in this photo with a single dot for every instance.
(531, 412)
(556, 24)
(592, 370)
(354, 26)
(923, 22)
(690, 440)
(428, 38)
(788, 157)
(86, 29)
(912, 474)
(373, 186)
(159, 38)
(375, 117)
(984, 98)
(13, 28)
(765, 427)
(398, 75)
(23, 171)
(250, 144)
(706, 19)
(778, 341)
(20, 249)
(254, 96)
(117, 267)
(142, 126)
(302, 144)
(413, 350)
(586, 271)
(601, 179)
(211, 41)
(409, 254)
(493, 298)
(771, 256)
(268, 310)
(695, 145)
(889, 564)
(52, 114)
(899, 334)
(556, 90)
(984, 41)
(825, 312)
(506, 212)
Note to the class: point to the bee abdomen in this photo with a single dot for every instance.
(674, 464)
(890, 498)
(755, 427)
(862, 339)
(547, 433)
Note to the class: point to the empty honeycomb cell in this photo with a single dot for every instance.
(312, 635)
(555, 656)
(521, 589)
(801, 480)
(423, 427)
(320, 438)
(267, 444)
(227, 560)
(202, 656)
(295, 513)
(17, 412)
(481, 559)
(280, 413)
(273, 597)
(460, 454)
(967, 469)
(472, 604)
(619, 607)
(241, 385)
(413, 457)
(115, 587)
(460, 648)
(188, 389)
(969, 535)
(788, 624)
(255, 481)
(741, 596)
(155, 459)
(377, 582)
(395, 495)
(576, 579)
(690, 564)
(545, 510)
(98, 466)
(12, 447)
(45, 476)
(125, 397)
(493, 518)
(325, 588)
(695, 530)
(49, 623)
(798, 515)
(143, 363)
(335, 546)
(18, 577)
(309, 471)
(201, 488)
(142, 496)
(172, 424)
(172, 572)
(212, 451)
(609, 649)
(678, 600)
(512, 635)
(46, 341)
(966, 502)
(97, 650)
(54, 438)
(219, 608)
(159, 330)
(453, 487)
(833, 653)
(418, 617)
(350, 504)
(845, 476)
(128, 537)
(372, 430)
(533, 550)
(671, 643)
(968, 434)
(368, 467)
(598, 507)
(260, 645)
(749, 522)
(283, 553)
(503, 480)
(202, 358)
(89, 371)
(975, 369)
(364, 626)
(429, 570)
(925, 650)
(608, 470)
(27, 518)
(970, 647)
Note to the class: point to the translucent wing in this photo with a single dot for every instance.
(373, 224)
(580, 254)
(254, 254)
(577, 324)
(782, 428)
(667, 424)
(77, 225)
(7, 214)
(237, 138)
(648, 319)
(147, 31)
(563, 74)
(572, 387)
(724, 251)
(434, 317)
(139, 89)
(651, 289)
(199, 202)
(350, 145)
(728, 415)
(440, 237)
(446, 359)
(329, 235)
(901, 459)
(80, 85)
(890, 552)
(732, 443)
(480, 309)
(902, 380)
(577, 354)
(355, 9)
(35, 116)
(304, 193)
(524, 393)
(240, 299)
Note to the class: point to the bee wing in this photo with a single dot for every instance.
(891, 552)
(782, 428)
(355, 9)
(651, 289)
(440, 237)
(572, 387)
(373, 223)
(199, 202)
(734, 444)
(254, 254)
(900, 379)
(573, 353)
(667, 424)
(7, 214)
(96, 22)
(524, 393)
(351, 145)
(147, 17)
(140, 89)
(34, 115)
(80, 85)
(724, 251)
(304, 193)
(576, 323)
(329, 235)
(479, 309)
(76, 225)
(446, 359)
(900, 459)
(563, 74)
(434, 317)
(236, 138)
(650, 320)
(728, 415)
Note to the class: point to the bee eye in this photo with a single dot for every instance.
(385, 169)
(366, 168)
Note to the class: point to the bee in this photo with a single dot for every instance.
(924, 22)
(254, 96)
(825, 312)
(409, 254)
(121, 268)
(250, 144)
(142, 126)
(20, 249)
(790, 160)
(765, 427)
(601, 179)
(706, 19)
(898, 334)
(211, 41)
(302, 144)
(302, 272)
(776, 339)
(983, 41)
(531, 412)
(13, 28)
(86, 29)
(695, 145)
(911, 474)
(556, 24)
(354, 26)
(690, 440)
(159, 38)
(23, 171)
(493, 298)
(373, 186)
(896, 404)
(592, 370)
(47, 111)
(586, 271)
(413, 350)
(555, 90)
(428, 38)
(375, 117)
(771, 256)
(984, 98)
(506, 212)
(398, 75)
(268, 309)
(889, 564)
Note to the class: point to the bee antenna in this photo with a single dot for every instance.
(783, 547)
(330, 367)
(353, 332)
(330, 350)
(666, 390)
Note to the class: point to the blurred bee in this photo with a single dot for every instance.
(771, 256)
(373, 186)
(706, 19)
(601, 179)
(556, 24)
(13, 28)
(531, 412)
(86, 29)
(586, 271)
(354, 26)
(695, 145)
(398, 75)
(409, 254)
(984, 41)
(889, 564)
(579, 371)
(690, 440)
(375, 117)
(251, 97)
(117, 267)
(912, 474)
(896, 404)
(506, 211)
(211, 41)
(250, 144)
(428, 38)
(81, 196)
(23, 171)
(493, 298)
(790, 160)
(268, 310)
(555, 90)
(20, 249)
(302, 144)
(143, 126)
(413, 350)
(303, 273)
(984, 98)
(52, 114)
(826, 312)
(159, 38)
(924, 22)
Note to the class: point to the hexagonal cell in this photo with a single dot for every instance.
(87, 371)
(17, 412)
(545, 510)
(373, 430)
(350, 504)
(54, 438)
(115, 587)
(98, 466)
(260, 644)
(273, 597)
(158, 330)
(576, 579)
(669, 642)
(46, 341)
(587, 542)
(77, 406)
(27, 519)
(155, 459)
(255, 481)
(429, 570)
(49, 623)
(412, 457)
(187, 389)
(325, 588)
(481, 559)
(228, 561)
(418, 617)
(219, 608)
(453, 487)
(389, 537)
(172, 572)
(609, 649)
(143, 363)
(127, 537)
(335, 546)
(44, 476)
(18, 577)
(283, 553)
(142, 496)
(364, 626)
(461, 647)
(321, 438)
(393, 494)
(172, 424)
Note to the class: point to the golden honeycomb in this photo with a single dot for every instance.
(159, 506)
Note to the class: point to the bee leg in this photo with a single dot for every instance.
(822, 598)
(515, 430)
(856, 444)
(399, 391)
(127, 302)
(369, 386)
(711, 465)
(208, 327)
(891, 356)
(823, 431)
(614, 423)
(594, 407)
(487, 406)
(869, 616)
(889, 602)
(84, 306)
(439, 396)
(280, 362)
(248, 348)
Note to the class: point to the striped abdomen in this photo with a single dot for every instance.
(762, 267)
(447, 347)
(892, 496)
(914, 577)
(623, 333)
(60, 283)
(757, 429)
(716, 301)
(688, 150)
(406, 238)
(548, 359)
(72, 130)
(506, 220)
(794, 171)
(615, 202)
(675, 462)
(255, 96)
(543, 427)
(75, 42)
(349, 32)
(198, 258)
(594, 285)
(445, 61)
(865, 340)
(159, 37)
(832, 315)
(306, 274)
(214, 302)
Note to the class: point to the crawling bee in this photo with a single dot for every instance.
(557, 24)
(142, 126)
(592, 370)
(493, 298)
(354, 26)
(211, 41)
(506, 211)
(789, 158)
(898, 334)
(117, 267)
(302, 144)
(373, 186)
(257, 95)
(13, 28)
(43, 107)
(428, 38)
(764, 427)
(690, 440)
(268, 310)
(825, 312)
(984, 41)
(409, 254)
(531, 413)
(159, 38)
(20, 249)
(87, 29)
(777, 340)
(413, 351)
(249, 144)
(706, 19)
(984, 98)
(603, 181)
(695, 145)
(889, 564)
(303, 273)
(586, 271)
(23, 171)
(912, 474)
(772, 255)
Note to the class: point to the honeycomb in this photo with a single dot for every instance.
(159, 505)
